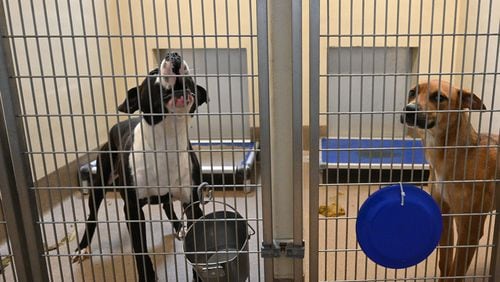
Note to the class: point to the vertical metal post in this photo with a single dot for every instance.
(265, 138)
(314, 42)
(280, 61)
(297, 162)
(495, 253)
(15, 175)
(284, 112)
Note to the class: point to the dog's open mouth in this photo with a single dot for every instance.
(182, 101)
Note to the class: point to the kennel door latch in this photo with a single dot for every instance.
(270, 250)
(295, 251)
(282, 247)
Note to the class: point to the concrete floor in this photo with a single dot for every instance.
(112, 260)
(111, 248)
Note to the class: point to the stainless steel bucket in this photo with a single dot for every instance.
(216, 246)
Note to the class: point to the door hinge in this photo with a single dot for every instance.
(282, 247)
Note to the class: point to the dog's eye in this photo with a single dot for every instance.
(438, 97)
(412, 94)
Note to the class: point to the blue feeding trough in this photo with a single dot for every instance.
(348, 160)
(399, 226)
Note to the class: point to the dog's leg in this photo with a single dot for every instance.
(96, 196)
(470, 230)
(168, 208)
(445, 253)
(137, 229)
(196, 173)
(95, 199)
(194, 212)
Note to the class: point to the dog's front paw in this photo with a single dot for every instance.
(80, 255)
(179, 235)
(177, 226)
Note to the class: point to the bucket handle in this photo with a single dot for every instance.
(199, 191)
(180, 235)
(182, 231)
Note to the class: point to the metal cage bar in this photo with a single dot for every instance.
(314, 102)
(265, 135)
(297, 145)
(15, 176)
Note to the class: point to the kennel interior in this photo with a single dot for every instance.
(369, 55)
(69, 66)
(303, 117)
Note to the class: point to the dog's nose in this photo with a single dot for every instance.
(176, 60)
(409, 114)
(411, 108)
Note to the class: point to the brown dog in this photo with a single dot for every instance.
(464, 167)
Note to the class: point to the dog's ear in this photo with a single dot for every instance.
(200, 96)
(131, 103)
(471, 101)
(154, 72)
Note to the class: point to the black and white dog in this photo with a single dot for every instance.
(149, 159)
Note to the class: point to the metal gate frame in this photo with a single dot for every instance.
(282, 246)
(15, 176)
(314, 100)
(16, 181)
(314, 150)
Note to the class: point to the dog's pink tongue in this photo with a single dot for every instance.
(180, 102)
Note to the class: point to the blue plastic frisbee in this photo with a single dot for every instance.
(399, 226)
